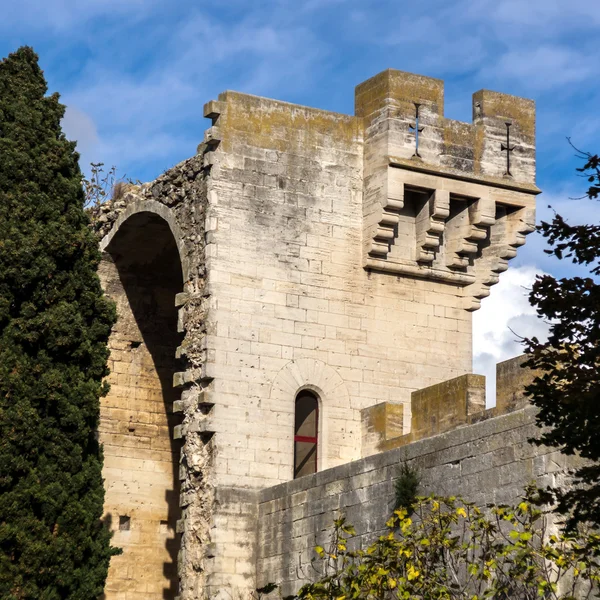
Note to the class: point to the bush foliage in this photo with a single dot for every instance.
(568, 390)
(406, 487)
(54, 327)
(451, 549)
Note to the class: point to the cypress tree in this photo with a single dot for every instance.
(54, 327)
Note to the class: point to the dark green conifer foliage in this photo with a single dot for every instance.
(54, 325)
(406, 487)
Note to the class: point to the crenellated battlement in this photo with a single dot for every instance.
(445, 200)
(388, 103)
(442, 199)
(444, 407)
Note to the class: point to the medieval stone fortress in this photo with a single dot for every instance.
(295, 320)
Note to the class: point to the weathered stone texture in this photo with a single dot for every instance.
(491, 461)
(287, 270)
(137, 421)
(449, 211)
(299, 249)
(511, 380)
(380, 423)
(154, 269)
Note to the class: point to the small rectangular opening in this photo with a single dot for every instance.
(405, 242)
(124, 523)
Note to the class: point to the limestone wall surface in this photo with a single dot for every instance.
(314, 250)
(490, 461)
(136, 429)
(159, 491)
(293, 304)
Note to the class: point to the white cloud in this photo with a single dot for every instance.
(505, 317)
(543, 67)
(66, 15)
(79, 126)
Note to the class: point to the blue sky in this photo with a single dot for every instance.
(135, 74)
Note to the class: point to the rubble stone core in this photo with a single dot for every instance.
(299, 249)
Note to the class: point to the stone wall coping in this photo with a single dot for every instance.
(223, 96)
(422, 448)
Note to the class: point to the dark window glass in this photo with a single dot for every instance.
(305, 434)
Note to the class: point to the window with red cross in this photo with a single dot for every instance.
(306, 433)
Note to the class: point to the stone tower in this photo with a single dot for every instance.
(302, 256)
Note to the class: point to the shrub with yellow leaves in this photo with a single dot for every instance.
(452, 549)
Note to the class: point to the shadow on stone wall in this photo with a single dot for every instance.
(146, 261)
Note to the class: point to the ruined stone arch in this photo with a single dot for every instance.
(142, 271)
(138, 206)
(331, 391)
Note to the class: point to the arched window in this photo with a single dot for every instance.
(305, 434)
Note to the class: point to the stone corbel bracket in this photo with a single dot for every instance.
(465, 229)
(518, 224)
(386, 192)
(471, 228)
(430, 225)
(507, 234)
(213, 136)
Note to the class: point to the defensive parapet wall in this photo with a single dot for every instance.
(445, 406)
(443, 199)
(388, 103)
(491, 460)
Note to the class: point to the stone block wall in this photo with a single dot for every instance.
(292, 305)
(159, 489)
(308, 250)
(489, 461)
(292, 297)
